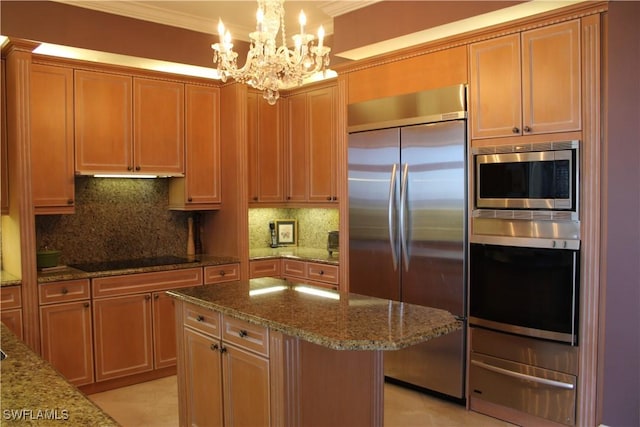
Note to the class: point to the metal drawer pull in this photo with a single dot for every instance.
(200, 318)
(65, 291)
(526, 377)
(242, 333)
(214, 347)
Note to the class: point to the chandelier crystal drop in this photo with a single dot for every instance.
(270, 67)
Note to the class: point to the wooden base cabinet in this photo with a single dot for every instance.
(231, 372)
(66, 329)
(11, 309)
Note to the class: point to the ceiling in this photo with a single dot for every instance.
(239, 16)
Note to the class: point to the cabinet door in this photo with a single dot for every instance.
(66, 340)
(158, 125)
(297, 159)
(164, 330)
(551, 78)
(13, 320)
(203, 379)
(123, 336)
(102, 107)
(246, 388)
(494, 90)
(266, 150)
(202, 146)
(321, 107)
(51, 115)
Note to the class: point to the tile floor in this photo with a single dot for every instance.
(153, 404)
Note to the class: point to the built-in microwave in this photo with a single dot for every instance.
(527, 181)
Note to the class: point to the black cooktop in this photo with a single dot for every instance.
(124, 264)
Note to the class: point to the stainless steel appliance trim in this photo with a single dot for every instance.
(531, 332)
(435, 105)
(527, 242)
(531, 215)
(392, 234)
(526, 377)
(403, 213)
(522, 148)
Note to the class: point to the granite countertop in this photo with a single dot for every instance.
(295, 252)
(8, 279)
(69, 273)
(338, 320)
(34, 393)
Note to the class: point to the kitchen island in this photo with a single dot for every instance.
(270, 352)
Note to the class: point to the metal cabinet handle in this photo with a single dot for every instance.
(129, 168)
(222, 273)
(156, 296)
(404, 244)
(189, 199)
(242, 333)
(321, 272)
(522, 376)
(200, 318)
(214, 347)
(527, 129)
(392, 227)
(86, 305)
(138, 168)
(64, 291)
(223, 349)
(70, 201)
(515, 130)
(147, 297)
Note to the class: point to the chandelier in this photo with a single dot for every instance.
(270, 67)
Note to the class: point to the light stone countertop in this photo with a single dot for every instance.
(35, 394)
(337, 320)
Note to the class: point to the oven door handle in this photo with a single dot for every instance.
(545, 381)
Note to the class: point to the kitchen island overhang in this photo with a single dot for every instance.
(323, 348)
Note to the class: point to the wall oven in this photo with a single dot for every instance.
(527, 181)
(527, 290)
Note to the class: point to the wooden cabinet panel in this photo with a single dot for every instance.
(4, 172)
(11, 309)
(245, 335)
(495, 96)
(10, 297)
(164, 330)
(265, 150)
(221, 273)
(103, 119)
(206, 321)
(322, 145)
(246, 388)
(66, 340)
(67, 291)
(199, 189)
(146, 282)
(158, 124)
(51, 113)
(264, 268)
(297, 159)
(123, 336)
(551, 78)
(203, 380)
(526, 84)
(322, 272)
(13, 320)
(294, 268)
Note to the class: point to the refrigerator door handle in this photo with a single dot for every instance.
(392, 228)
(403, 213)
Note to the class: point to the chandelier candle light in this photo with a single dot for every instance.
(269, 67)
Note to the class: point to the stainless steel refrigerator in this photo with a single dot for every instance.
(407, 220)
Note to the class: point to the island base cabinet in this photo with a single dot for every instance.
(297, 383)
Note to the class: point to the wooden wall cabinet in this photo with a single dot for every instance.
(265, 150)
(312, 146)
(199, 189)
(526, 84)
(127, 124)
(11, 309)
(134, 324)
(226, 370)
(51, 111)
(66, 329)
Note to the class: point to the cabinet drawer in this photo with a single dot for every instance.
(294, 268)
(221, 273)
(10, 297)
(202, 320)
(146, 282)
(322, 272)
(264, 268)
(245, 335)
(70, 290)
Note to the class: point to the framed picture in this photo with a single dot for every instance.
(287, 232)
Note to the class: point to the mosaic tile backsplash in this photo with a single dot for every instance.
(115, 219)
(313, 225)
